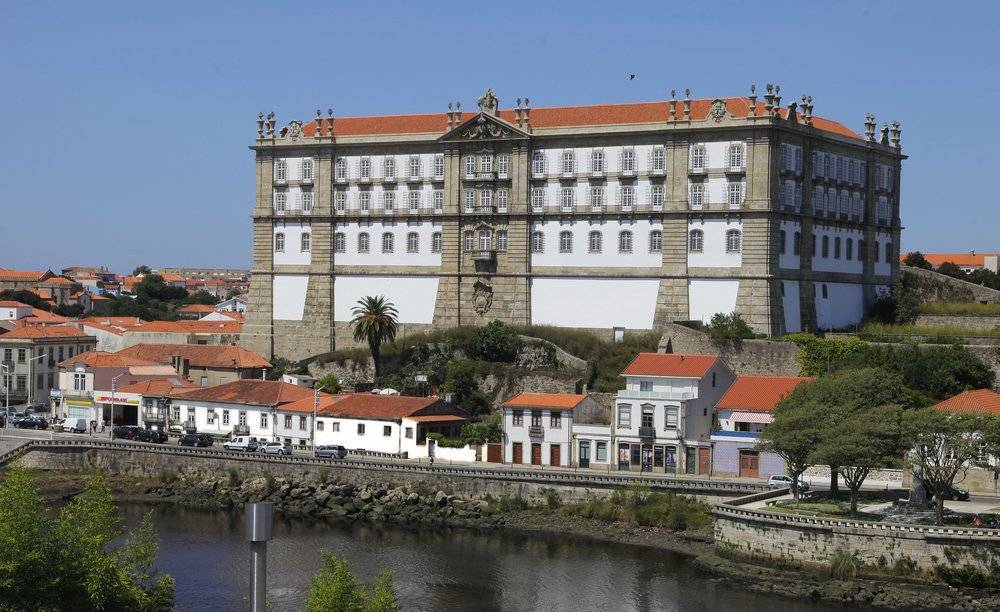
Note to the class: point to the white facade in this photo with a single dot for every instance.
(838, 305)
(599, 244)
(289, 296)
(710, 296)
(413, 296)
(552, 430)
(220, 418)
(628, 303)
(715, 253)
(289, 243)
(365, 244)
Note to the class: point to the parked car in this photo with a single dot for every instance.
(275, 448)
(174, 428)
(196, 439)
(75, 425)
(330, 451)
(129, 432)
(780, 481)
(241, 443)
(156, 436)
(31, 423)
(952, 493)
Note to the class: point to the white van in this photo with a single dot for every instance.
(241, 443)
(75, 425)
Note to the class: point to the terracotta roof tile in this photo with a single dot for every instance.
(560, 116)
(159, 387)
(551, 401)
(199, 355)
(12, 304)
(375, 407)
(45, 331)
(959, 259)
(251, 392)
(196, 308)
(670, 364)
(759, 393)
(979, 401)
(104, 359)
(21, 275)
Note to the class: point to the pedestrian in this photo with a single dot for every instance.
(93, 426)
(104, 423)
(977, 521)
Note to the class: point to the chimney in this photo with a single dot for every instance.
(869, 127)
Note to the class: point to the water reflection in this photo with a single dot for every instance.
(438, 570)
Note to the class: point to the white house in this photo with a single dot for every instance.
(381, 423)
(241, 407)
(541, 428)
(663, 416)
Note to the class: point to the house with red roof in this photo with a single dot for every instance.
(30, 354)
(539, 429)
(740, 416)
(977, 402)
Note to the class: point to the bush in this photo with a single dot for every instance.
(728, 327)
(168, 476)
(495, 342)
(335, 589)
(552, 500)
(638, 506)
(444, 442)
(960, 308)
(234, 477)
(845, 565)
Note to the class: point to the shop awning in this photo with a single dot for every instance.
(752, 417)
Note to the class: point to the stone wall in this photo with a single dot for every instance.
(937, 287)
(979, 322)
(744, 357)
(813, 541)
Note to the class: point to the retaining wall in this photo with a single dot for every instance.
(978, 322)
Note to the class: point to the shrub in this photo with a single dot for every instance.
(335, 589)
(637, 506)
(728, 327)
(168, 476)
(552, 500)
(495, 342)
(845, 565)
(442, 441)
(234, 477)
(960, 308)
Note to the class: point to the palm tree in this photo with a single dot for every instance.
(374, 321)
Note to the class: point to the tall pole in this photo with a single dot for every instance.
(316, 391)
(114, 387)
(258, 517)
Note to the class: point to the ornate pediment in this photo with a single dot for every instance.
(484, 127)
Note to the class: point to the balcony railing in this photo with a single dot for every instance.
(157, 416)
(190, 426)
(241, 430)
(655, 395)
(647, 432)
(484, 255)
(697, 170)
(536, 431)
(749, 435)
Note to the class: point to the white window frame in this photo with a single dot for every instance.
(656, 193)
(469, 200)
(415, 166)
(502, 198)
(597, 161)
(698, 158)
(439, 166)
(734, 194)
(658, 160)
(625, 241)
(468, 239)
(696, 196)
(595, 241)
(537, 242)
(734, 241)
(655, 241)
(537, 199)
(280, 201)
(305, 242)
(501, 238)
(279, 242)
(568, 162)
(696, 241)
(486, 163)
(565, 241)
(485, 239)
(538, 163)
(389, 167)
(597, 198)
(340, 201)
(438, 200)
(567, 198)
(470, 166)
(389, 200)
(364, 201)
(306, 170)
(307, 201)
(436, 242)
(340, 169)
(486, 200)
(280, 171)
(364, 242)
(736, 159)
(365, 168)
(413, 200)
(627, 197)
(503, 165)
(412, 242)
(627, 161)
(339, 242)
(388, 242)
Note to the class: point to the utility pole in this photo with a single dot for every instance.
(316, 391)
(114, 388)
(31, 382)
(258, 518)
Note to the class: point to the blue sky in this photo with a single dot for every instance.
(125, 125)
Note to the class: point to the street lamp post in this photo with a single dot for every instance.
(114, 387)
(31, 382)
(316, 391)
(6, 387)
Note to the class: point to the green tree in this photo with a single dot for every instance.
(495, 341)
(797, 428)
(943, 445)
(25, 297)
(460, 381)
(328, 384)
(375, 321)
(71, 563)
(487, 429)
(950, 269)
(728, 327)
(143, 269)
(916, 260)
(201, 297)
(335, 589)
(152, 287)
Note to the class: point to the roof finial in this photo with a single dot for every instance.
(260, 125)
(752, 101)
(329, 122)
(319, 124)
(687, 104)
(673, 105)
(894, 134)
(884, 134)
(869, 127)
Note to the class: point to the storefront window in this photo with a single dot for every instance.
(657, 456)
(602, 452)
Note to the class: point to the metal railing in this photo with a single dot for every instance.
(535, 475)
(655, 395)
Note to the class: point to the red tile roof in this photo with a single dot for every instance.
(550, 401)
(562, 116)
(45, 331)
(103, 359)
(21, 275)
(12, 304)
(159, 387)
(959, 259)
(980, 401)
(374, 407)
(759, 393)
(670, 364)
(196, 308)
(251, 392)
(199, 355)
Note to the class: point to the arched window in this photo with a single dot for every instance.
(340, 169)
(655, 241)
(537, 242)
(565, 241)
(467, 239)
(861, 249)
(733, 241)
(363, 242)
(782, 237)
(305, 242)
(625, 242)
(389, 167)
(538, 163)
(436, 242)
(279, 243)
(888, 252)
(594, 242)
(339, 242)
(849, 249)
(412, 242)
(826, 246)
(877, 247)
(797, 243)
(501, 240)
(696, 241)
(388, 241)
(836, 247)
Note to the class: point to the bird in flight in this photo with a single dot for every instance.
(630, 76)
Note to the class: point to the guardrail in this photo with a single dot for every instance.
(609, 480)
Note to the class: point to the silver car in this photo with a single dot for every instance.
(780, 481)
(275, 448)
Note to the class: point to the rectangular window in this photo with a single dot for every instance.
(486, 164)
(388, 201)
(555, 420)
(627, 197)
(413, 201)
(365, 201)
(538, 163)
(389, 168)
(302, 423)
(501, 240)
(470, 200)
(365, 168)
(22, 382)
(280, 200)
(568, 162)
(645, 386)
(438, 200)
(288, 421)
(736, 156)
(597, 197)
(537, 199)
(361, 429)
(263, 419)
(307, 201)
(696, 199)
(517, 417)
(627, 161)
(624, 416)
(409, 433)
(306, 170)
(340, 201)
(502, 197)
(656, 197)
(470, 165)
(566, 198)
(242, 419)
(735, 195)
(439, 166)
(414, 166)
(597, 161)
(387, 430)
(658, 160)
(319, 425)
(486, 200)
(225, 416)
(698, 158)
(335, 426)
(22, 355)
(670, 421)
(280, 170)
(536, 418)
(340, 169)
(647, 415)
(503, 165)
(601, 453)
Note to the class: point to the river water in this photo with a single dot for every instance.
(207, 555)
